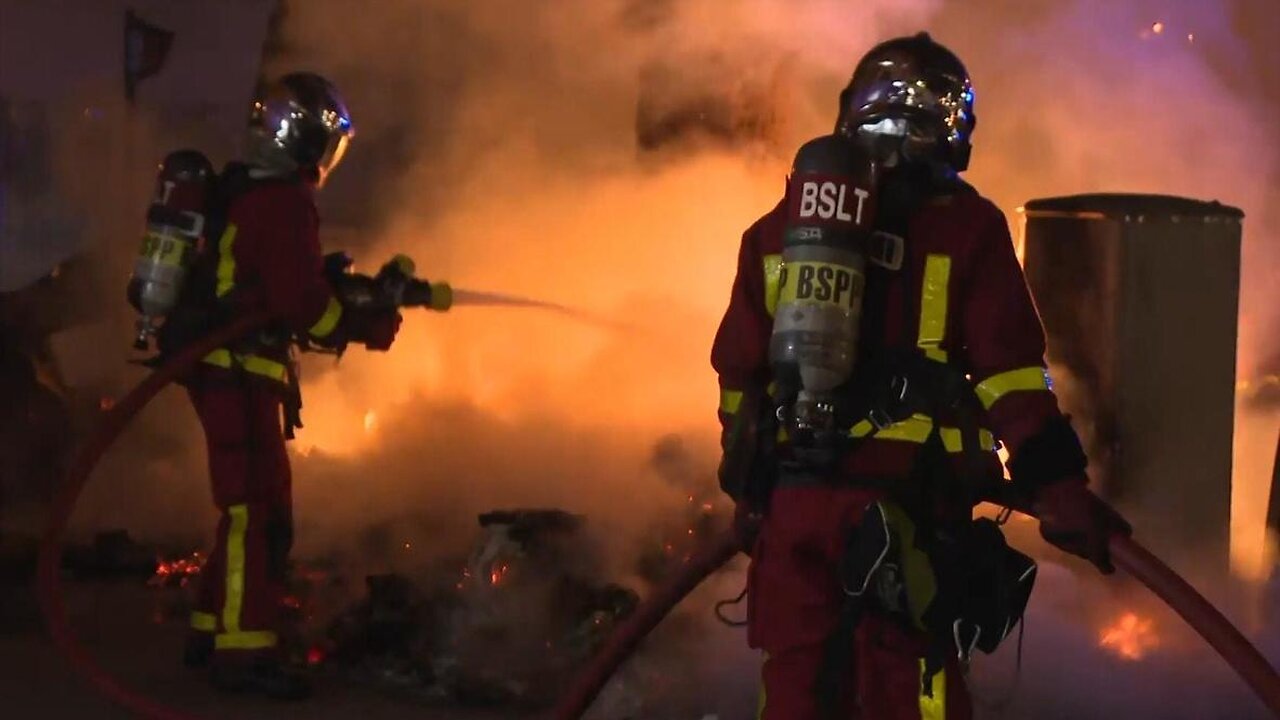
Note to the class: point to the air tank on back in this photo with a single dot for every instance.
(174, 233)
(830, 210)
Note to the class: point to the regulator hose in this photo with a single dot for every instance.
(48, 569)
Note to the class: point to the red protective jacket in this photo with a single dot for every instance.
(269, 257)
(971, 308)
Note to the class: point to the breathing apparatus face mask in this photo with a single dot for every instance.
(896, 141)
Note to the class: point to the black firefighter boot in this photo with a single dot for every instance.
(267, 675)
(197, 650)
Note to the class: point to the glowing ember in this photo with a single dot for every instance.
(497, 573)
(408, 546)
(315, 656)
(370, 421)
(177, 570)
(1157, 27)
(1130, 637)
(106, 403)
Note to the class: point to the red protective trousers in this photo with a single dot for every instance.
(795, 603)
(243, 582)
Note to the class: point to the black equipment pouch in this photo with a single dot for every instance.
(965, 587)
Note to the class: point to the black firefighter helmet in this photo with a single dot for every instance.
(913, 95)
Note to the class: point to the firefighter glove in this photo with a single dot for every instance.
(1076, 521)
(374, 328)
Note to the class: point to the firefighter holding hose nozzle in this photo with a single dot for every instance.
(221, 246)
(879, 342)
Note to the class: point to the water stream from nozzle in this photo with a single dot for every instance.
(480, 298)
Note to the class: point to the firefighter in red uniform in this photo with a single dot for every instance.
(956, 303)
(267, 256)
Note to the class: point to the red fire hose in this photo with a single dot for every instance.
(86, 458)
(1127, 554)
(627, 636)
(1218, 631)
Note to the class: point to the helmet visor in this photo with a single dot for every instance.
(333, 154)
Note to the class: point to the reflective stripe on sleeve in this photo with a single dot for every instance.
(328, 321)
(997, 386)
(772, 273)
(730, 401)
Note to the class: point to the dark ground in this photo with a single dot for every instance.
(115, 620)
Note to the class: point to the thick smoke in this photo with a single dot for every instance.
(498, 146)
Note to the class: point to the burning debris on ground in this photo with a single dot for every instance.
(519, 613)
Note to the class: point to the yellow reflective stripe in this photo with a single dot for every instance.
(203, 621)
(234, 589)
(953, 441)
(251, 363)
(997, 386)
(916, 429)
(226, 261)
(328, 321)
(933, 306)
(772, 271)
(933, 704)
(256, 640)
(220, 358)
(262, 366)
(763, 691)
(730, 401)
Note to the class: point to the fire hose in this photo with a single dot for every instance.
(1126, 553)
(48, 569)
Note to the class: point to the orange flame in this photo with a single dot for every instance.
(1130, 638)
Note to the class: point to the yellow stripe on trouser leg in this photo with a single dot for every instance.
(232, 637)
(256, 640)
(933, 306)
(233, 588)
(763, 690)
(203, 621)
(933, 704)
